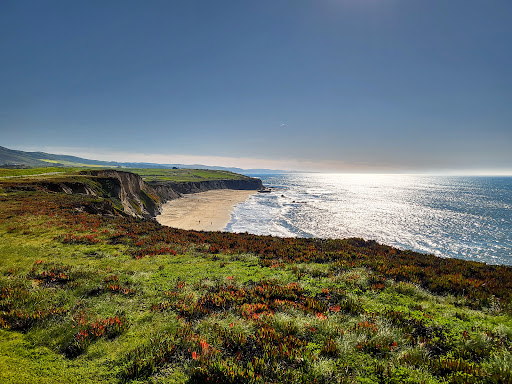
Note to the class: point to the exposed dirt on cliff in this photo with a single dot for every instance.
(126, 192)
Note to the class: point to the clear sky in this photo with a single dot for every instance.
(335, 85)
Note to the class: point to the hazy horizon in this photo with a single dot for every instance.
(247, 164)
(368, 86)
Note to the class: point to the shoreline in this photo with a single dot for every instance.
(203, 211)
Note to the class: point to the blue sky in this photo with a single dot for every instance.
(333, 85)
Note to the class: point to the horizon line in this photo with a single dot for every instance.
(243, 163)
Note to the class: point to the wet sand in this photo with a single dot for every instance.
(203, 211)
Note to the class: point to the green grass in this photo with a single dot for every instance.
(149, 174)
(86, 299)
(7, 172)
(184, 175)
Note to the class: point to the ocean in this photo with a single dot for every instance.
(461, 217)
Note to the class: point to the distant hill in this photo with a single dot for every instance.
(11, 158)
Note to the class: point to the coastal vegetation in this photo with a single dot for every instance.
(93, 296)
(184, 175)
(147, 174)
(13, 172)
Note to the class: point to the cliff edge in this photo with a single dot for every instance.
(144, 199)
(178, 188)
(124, 192)
(136, 197)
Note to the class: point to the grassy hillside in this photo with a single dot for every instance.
(9, 156)
(87, 298)
(41, 159)
(75, 164)
(184, 175)
(149, 174)
(12, 172)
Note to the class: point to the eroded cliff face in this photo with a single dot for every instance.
(69, 187)
(165, 192)
(126, 192)
(248, 183)
(137, 198)
(142, 199)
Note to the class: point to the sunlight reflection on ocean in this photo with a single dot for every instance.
(461, 217)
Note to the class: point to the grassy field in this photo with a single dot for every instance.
(184, 175)
(148, 174)
(5, 172)
(92, 299)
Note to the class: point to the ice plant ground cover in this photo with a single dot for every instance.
(113, 299)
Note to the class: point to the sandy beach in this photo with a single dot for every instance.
(204, 211)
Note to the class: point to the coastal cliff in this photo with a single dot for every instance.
(124, 193)
(162, 188)
(136, 197)
(144, 199)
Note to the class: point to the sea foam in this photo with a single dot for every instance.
(461, 217)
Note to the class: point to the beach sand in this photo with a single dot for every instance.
(203, 211)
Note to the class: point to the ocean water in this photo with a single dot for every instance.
(460, 217)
